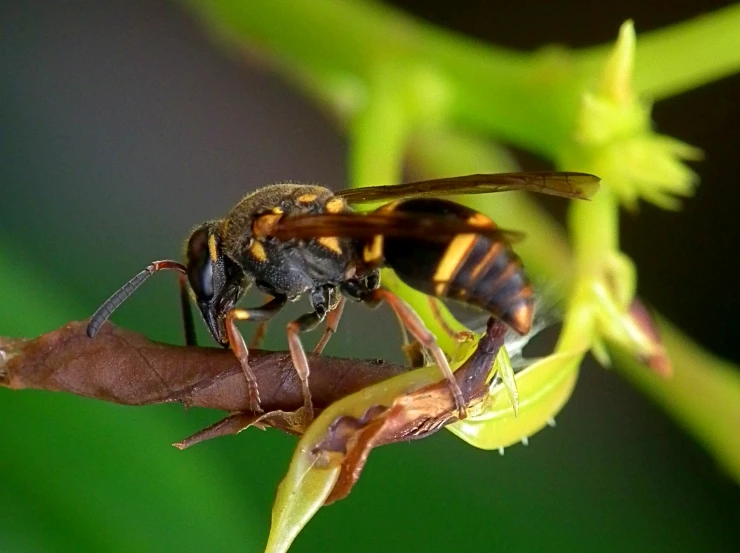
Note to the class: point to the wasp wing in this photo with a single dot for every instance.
(566, 185)
(398, 224)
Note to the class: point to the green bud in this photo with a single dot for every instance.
(615, 140)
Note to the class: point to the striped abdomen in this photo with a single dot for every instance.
(470, 268)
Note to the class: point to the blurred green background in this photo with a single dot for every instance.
(123, 125)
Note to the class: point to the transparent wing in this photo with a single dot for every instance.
(407, 225)
(566, 185)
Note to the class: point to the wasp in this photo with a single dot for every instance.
(294, 239)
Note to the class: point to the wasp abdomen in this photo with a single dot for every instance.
(490, 276)
(470, 268)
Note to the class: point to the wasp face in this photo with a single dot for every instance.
(217, 282)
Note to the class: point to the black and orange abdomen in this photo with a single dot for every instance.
(470, 268)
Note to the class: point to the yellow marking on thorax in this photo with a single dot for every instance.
(330, 243)
(373, 252)
(263, 224)
(307, 198)
(257, 250)
(452, 261)
(212, 247)
(277, 211)
(335, 205)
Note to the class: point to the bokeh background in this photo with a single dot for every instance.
(122, 125)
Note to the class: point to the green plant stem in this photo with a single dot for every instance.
(379, 132)
(681, 57)
(527, 99)
(378, 138)
(594, 227)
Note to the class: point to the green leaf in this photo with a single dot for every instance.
(302, 492)
(544, 388)
(313, 473)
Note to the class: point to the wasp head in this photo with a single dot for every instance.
(217, 281)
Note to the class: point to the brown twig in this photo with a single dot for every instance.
(124, 367)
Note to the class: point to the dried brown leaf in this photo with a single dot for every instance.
(125, 367)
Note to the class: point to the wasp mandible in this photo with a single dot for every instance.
(293, 239)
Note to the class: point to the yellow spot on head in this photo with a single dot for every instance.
(335, 205)
(257, 250)
(306, 198)
(373, 252)
(330, 243)
(212, 247)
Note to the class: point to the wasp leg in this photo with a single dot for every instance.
(332, 322)
(236, 341)
(258, 336)
(321, 301)
(362, 290)
(187, 312)
(416, 327)
(462, 336)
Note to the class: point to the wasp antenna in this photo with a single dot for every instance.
(111, 304)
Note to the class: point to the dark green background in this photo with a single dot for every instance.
(122, 126)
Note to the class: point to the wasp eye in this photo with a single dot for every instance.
(200, 265)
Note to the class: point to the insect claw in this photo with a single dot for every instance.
(551, 422)
(525, 440)
(254, 399)
(501, 451)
